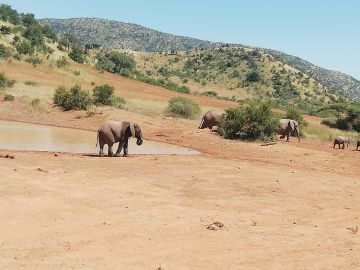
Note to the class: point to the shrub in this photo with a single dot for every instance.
(77, 54)
(35, 103)
(61, 62)
(24, 47)
(77, 72)
(8, 97)
(34, 60)
(330, 122)
(4, 51)
(250, 122)
(5, 82)
(31, 83)
(117, 102)
(209, 93)
(102, 94)
(253, 76)
(182, 107)
(75, 99)
(116, 62)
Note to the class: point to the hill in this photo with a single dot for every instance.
(134, 37)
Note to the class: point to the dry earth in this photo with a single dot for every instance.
(285, 206)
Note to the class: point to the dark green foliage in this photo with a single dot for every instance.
(5, 82)
(77, 54)
(69, 40)
(347, 116)
(49, 33)
(75, 99)
(34, 34)
(8, 14)
(5, 30)
(253, 76)
(28, 20)
(250, 122)
(116, 62)
(9, 97)
(34, 60)
(182, 107)
(62, 62)
(102, 94)
(25, 47)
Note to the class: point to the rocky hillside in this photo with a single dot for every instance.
(138, 38)
(116, 34)
(346, 84)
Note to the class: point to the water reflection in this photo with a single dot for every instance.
(31, 137)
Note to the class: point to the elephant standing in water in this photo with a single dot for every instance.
(341, 141)
(285, 127)
(112, 132)
(211, 119)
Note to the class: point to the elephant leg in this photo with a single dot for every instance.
(110, 152)
(120, 147)
(343, 147)
(334, 145)
(101, 144)
(287, 137)
(126, 147)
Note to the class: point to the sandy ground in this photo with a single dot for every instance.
(286, 206)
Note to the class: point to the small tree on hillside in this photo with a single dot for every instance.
(102, 94)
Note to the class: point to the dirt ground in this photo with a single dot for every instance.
(285, 206)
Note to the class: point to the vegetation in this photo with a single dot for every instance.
(9, 97)
(75, 99)
(182, 107)
(62, 62)
(115, 62)
(250, 122)
(31, 83)
(34, 60)
(77, 54)
(102, 94)
(347, 116)
(5, 82)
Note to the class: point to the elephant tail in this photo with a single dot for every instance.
(201, 124)
(97, 138)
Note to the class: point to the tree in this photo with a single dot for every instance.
(34, 34)
(77, 54)
(69, 40)
(102, 94)
(9, 14)
(24, 47)
(28, 19)
(122, 63)
(49, 33)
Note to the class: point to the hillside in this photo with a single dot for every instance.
(130, 36)
(345, 84)
(134, 37)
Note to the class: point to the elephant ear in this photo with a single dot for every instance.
(292, 124)
(132, 129)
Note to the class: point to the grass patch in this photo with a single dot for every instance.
(9, 97)
(31, 83)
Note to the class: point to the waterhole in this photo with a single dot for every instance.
(20, 136)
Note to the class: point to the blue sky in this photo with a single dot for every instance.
(326, 33)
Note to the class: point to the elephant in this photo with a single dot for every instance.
(113, 131)
(285, 127)
(340, 140)
(211, 119)
(357, 145)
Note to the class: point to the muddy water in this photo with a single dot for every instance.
(30, 137)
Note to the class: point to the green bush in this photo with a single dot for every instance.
(182, 107)
(250, 122)
(75, 99)
(116, 62)
(102, 94)
(77, 72)
(4, 51)
(330, 122)
(209, 93)
(61, 62)
(24, 47)
(77, 54)
(34, 60)
(9, 97)
(5, 82)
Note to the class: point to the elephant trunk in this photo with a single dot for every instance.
(139, 141)
(298, 133)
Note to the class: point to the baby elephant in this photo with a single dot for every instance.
(341, 141)
(112, 132)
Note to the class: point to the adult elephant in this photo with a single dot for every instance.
(286, 126)
(112, 132)
(211, 119)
